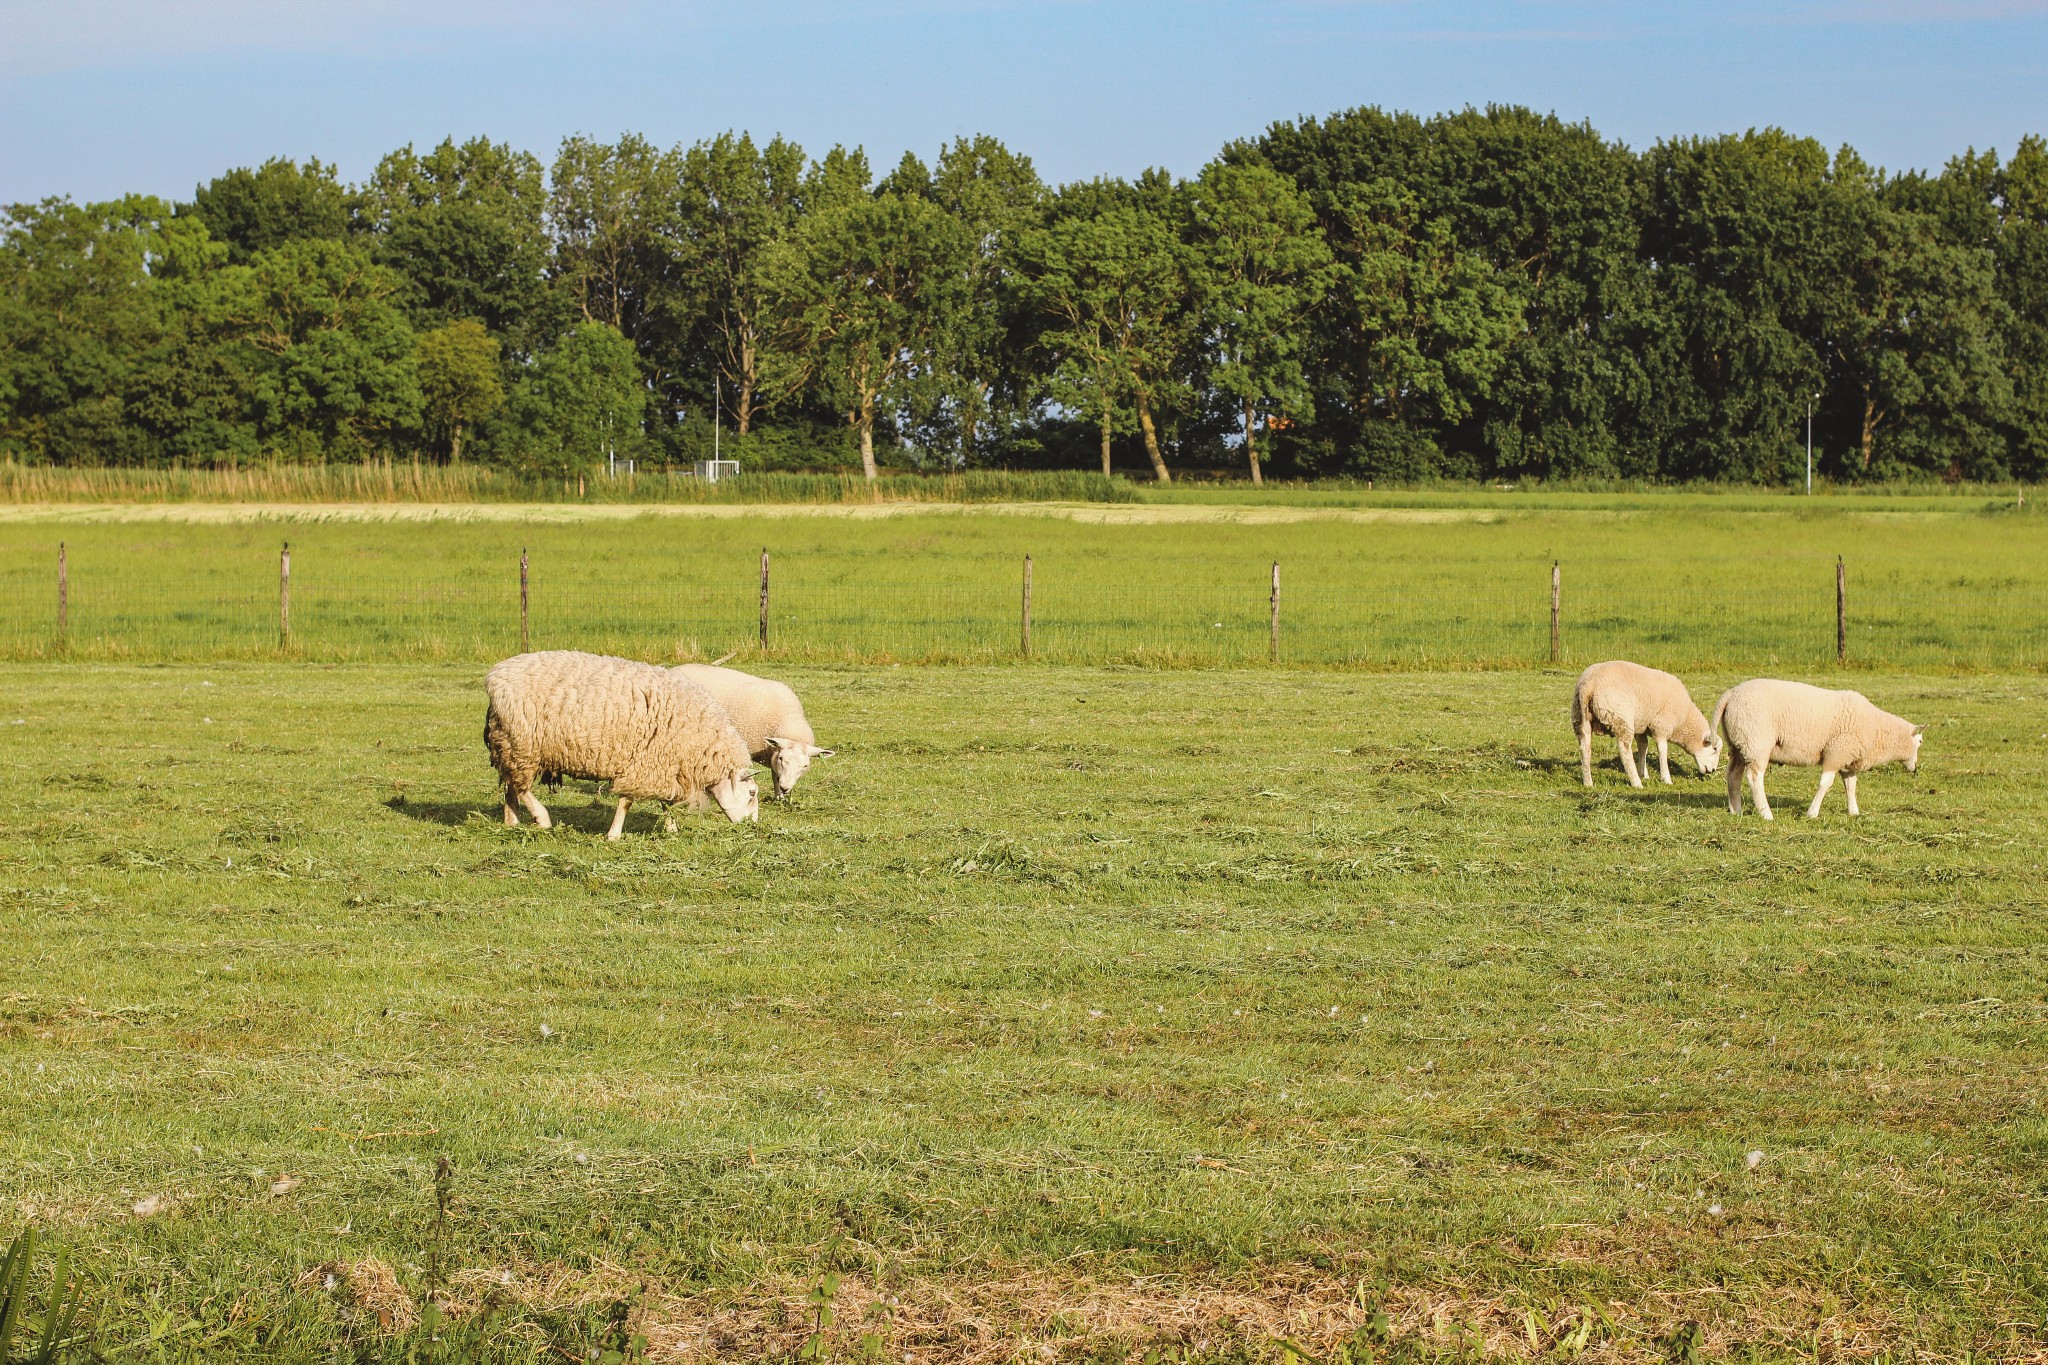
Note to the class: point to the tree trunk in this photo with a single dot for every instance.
(1873, 417)
(865, 420)
(1251, 451)
(744, 419)
(1108, 414)
(1152, 442)
(455, 445)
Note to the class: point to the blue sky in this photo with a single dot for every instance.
(98, 97)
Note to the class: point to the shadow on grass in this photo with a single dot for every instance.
(570, 811)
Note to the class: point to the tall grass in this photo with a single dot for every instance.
(354, 483)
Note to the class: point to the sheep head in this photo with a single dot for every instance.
(1708, 755)
(739, 796)
(791, 759)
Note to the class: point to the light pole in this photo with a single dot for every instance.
(1810, 400)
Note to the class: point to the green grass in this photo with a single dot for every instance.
(1685, 583)
(1107, 1009)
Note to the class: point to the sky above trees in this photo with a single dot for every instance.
(105, 97)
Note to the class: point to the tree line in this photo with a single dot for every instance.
(1481, 294)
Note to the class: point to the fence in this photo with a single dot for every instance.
(1698, 614)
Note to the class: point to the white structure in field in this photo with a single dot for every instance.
(711, 471)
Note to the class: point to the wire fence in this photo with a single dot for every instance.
(1705, 613)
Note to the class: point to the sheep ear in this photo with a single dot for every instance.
(1919, 729)
(778, 742)
(816, 752)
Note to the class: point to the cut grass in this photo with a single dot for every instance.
(1098, 1010)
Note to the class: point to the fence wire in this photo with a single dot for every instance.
(1733, 613)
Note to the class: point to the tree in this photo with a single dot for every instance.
(582, 399)
(1419, 328)
(1262, 265)
(464, 227)
(459, 385)
(995, 196)
(611, 208)
(278, 202)
(1916, 330)
(327, 358)
(869, 288)
(736, 204)
(1110, 275)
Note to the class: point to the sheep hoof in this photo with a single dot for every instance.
(611, 836)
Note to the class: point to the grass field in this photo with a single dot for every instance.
(1069, 1013)
(1459, 580)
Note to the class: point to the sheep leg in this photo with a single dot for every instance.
(536, 809)
(668, 819)
(1756, 788)
(1664, 760)
(1586, 753)
(1849, 789)
(618, 820)
(1827, 779)
(1628, 760)
(511, 816)
(1734, 785)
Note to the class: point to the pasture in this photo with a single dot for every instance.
(1069, 1013)
(1389, 580)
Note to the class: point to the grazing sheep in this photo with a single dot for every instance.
(769, 718)
(652, 735)
(1841, 732)
(1625, 700)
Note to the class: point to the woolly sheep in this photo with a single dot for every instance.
(653, 736)
(1841, 732)
(1625, 700)
(769, 717)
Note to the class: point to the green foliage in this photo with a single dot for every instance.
(278, 202)
(1485, 294)
(578, 405)
(869, 289)
(459, 380)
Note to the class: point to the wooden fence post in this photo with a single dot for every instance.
(522, 600)
(63, 597)
(1556, 594)
(284, 596)
(1273, 625)
(764, 597)
(1024, 643)
(1841, 613)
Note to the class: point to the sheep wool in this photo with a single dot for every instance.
(1768, 720)
(1625, 700)
(653, 736)
(768, 716)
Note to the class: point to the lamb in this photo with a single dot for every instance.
(653, 736)
(1625, 700)
(769, 717)
(1841, 732)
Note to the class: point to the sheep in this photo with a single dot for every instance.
(769, 717)
(1625, 700)
(653, 736)
(1841, 732)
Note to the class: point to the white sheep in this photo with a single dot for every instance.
(1625, 700)
(1766, 719)
(653, 736)
(769, 717)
